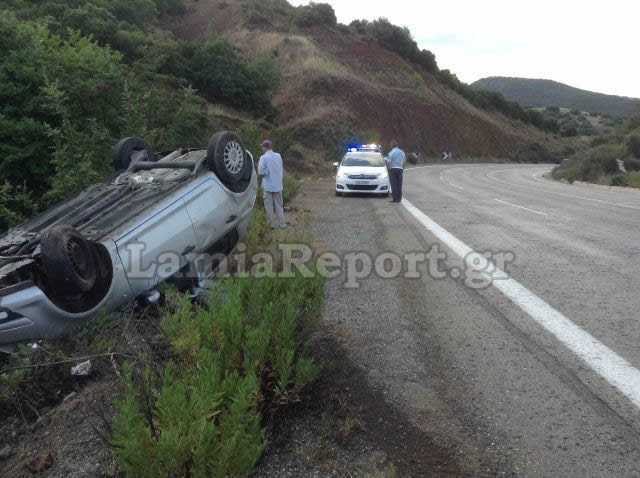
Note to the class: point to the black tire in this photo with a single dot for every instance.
(227, 157)
(68, 260)
(338, 193)
(126, 147)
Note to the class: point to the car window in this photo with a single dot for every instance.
(363, 159)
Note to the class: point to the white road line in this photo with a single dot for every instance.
(450, 184)
(521, 207)
(600, 201)
(604, 361)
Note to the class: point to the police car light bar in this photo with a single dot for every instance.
(364, 147)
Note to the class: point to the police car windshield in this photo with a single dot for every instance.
(363, 159)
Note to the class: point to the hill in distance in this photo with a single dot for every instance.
(541, 93)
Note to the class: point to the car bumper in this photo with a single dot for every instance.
(26, 313)
(373, 186)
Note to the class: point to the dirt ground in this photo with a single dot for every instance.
(73, 433)
(345, 428)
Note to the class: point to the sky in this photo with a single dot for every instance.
(594, 45)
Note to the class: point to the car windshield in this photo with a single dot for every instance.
(363, 159)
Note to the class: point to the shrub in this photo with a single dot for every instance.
(397, 39)
(220, 74)
(552, 110)
(16, 205)
(416, 81)
(200, 416)
(291, 187)
(632, 164)
(619, 180)
(590, 170)
(535, 153)
(633, 145)
(315, 14)
(323, 85)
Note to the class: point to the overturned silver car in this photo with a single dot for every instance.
(162, 215)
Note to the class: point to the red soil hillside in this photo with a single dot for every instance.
(334, 81)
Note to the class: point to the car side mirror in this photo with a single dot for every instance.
(335, 165)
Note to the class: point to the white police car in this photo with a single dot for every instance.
(362, 170)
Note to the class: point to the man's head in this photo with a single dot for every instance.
(393, 144)
(266, 145)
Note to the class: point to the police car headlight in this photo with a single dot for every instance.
(341, 174)
(382, 175)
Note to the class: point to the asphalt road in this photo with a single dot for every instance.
(534, 375)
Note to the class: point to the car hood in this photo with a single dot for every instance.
(353, 170)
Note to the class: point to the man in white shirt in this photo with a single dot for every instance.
(272, 173)
(396, 162)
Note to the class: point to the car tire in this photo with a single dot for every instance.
(338, 193)
(68, 260)
(126, 147)
(227, 157)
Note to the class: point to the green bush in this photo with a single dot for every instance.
(632, 164)
(569, 132)
(590, 170)
(619, 180)
(633, 145)
(535, 153)
(16, 205)
(220, 74)
(552, 110)
(291, 187)
(397, 39)
(315, 14)
(416, 81)
(201, 415)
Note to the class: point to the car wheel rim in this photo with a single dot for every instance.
(233, 157)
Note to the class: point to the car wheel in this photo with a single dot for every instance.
(126, 147)
(68, 260)
(338, 193)
(227, 157)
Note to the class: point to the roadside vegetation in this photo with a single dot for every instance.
(240, 358)
(76, 76)
(599, 163)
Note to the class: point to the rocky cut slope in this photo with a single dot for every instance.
(339, 83)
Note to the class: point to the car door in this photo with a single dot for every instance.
(213, 211)
(158, 248)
